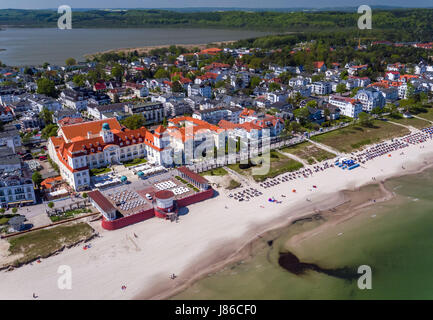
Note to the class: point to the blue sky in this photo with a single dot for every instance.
(39, 4)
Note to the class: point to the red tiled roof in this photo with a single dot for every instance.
(101, 201)
(100, 86)
(192, 175)
(68, 121)
(49, 182)
(81, 129)
(210, 51)
(319, 64)
(164, 194)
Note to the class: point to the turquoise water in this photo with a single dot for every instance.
(394, 238)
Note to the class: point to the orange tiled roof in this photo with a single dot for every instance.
(49, 182)
(210, 51)
(81, 129)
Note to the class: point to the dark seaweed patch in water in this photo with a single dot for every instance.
(291, 263)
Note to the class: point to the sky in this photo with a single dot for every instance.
(41, 4)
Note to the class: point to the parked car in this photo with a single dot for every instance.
(42, 158)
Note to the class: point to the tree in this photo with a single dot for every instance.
(354, 91)
(47, 87)
(377, 111)
(14, 210)
(341, 87)
(274, 87)
(49, 131)
(177, 87)
(164, 122)
(85, 195)
(344, 74)
(255, 81)
(311, 104)
(161, 73)
(70, 62)
(50, 204)
(317, 77)
(37, 178)
(293, 126)
(47, 116)
(302, 114)
(79, 80)
(365, 119)
(117, 72)
(134, 122)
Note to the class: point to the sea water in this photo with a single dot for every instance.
(393, 238)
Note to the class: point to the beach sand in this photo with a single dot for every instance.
(208, 237)
(146, 49)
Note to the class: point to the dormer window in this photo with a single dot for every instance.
(99, 148)
(93, 150)
(121, 144)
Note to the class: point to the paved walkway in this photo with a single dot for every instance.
(421, 118)
(294, 157)
(410, 128)
(238, 176)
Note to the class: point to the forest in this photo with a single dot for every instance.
(418, 22)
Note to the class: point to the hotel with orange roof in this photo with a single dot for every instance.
(83, 146)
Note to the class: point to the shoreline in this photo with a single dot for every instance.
(208, 237)
(146, 49)
(245, 250)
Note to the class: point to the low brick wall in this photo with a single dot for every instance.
(126, 221)
(195, 198)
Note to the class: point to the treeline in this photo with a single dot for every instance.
(414, 20)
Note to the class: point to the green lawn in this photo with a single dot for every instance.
(134, 162)
(426, 115)
(310, 152)
(414, 122)
(69, 214)
(233, 184)
(98, 171)
(279, 164)
(355, 137)
(215, 172)
(5, 218)
(44, 242)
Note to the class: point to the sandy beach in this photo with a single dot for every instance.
(146, 49)
(206, 238)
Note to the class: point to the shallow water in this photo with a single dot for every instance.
(394, 238)
(34, 46)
